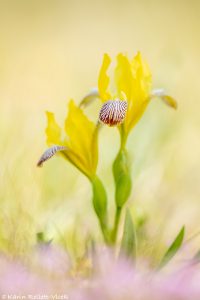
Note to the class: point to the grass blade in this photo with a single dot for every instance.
(173, 249)
(129, 241)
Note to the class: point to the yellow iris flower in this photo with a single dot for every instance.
(133, 82)
(80, 139)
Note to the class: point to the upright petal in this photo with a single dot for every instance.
(123, 77)
(81, 132)
(94, 148)
(104, 80)
(142, 74)
(53, 131)
(141, 87)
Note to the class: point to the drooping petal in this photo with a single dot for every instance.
(49, 153)
(165, 97)
(103, 81)
(90, 97)
(170, 101)
(53, 131)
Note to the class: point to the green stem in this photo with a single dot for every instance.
(116, 224)
(122, 178)
(106, 235)
(123, 138)
(100, 206)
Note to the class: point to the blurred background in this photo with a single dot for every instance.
(51, 51)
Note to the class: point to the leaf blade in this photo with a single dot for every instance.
(173, 248)
(129, 240)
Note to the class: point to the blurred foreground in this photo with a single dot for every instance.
(51, 275)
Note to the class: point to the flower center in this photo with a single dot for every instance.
(113, 112)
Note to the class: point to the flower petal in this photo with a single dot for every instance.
(90, 97)
(53, 131)
(170, 101)
(123, 77)
(141, 87)
(166, 98)
(104, 80)
(80, 131)
(49, 153)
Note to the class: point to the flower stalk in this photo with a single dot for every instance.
(123, 184)
(100, 205)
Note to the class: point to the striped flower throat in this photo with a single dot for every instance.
(113, 112)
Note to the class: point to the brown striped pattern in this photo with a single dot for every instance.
(49, 153)
(113, 112)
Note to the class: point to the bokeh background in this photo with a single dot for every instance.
(51, 51)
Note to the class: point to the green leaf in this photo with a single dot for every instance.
(173, 249)
(129, 240)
